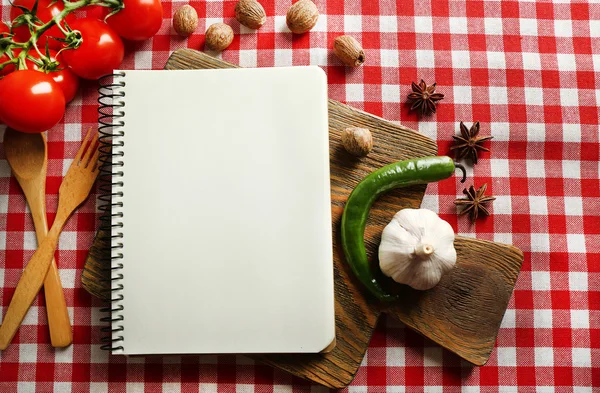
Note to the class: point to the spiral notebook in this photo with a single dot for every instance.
(220, 213)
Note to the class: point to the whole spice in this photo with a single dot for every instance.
(349, 50)
(468, 142)
(474, 202)
(357, 141)
(417, 248)
(219, 36)
(354, 219)
(302, 16)
(424, 98)
(185, 20)
(250, 13)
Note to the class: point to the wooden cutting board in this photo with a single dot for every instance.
(462, 313)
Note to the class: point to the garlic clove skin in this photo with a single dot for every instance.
(417, 248)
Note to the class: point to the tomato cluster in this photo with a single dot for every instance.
(34, 92)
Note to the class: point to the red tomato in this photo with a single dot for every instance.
(138, 21)
(65, 78)
(100, 53)
(30, 101)
(47, 9)
(4, 58)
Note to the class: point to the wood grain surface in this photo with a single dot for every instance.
(463, 313)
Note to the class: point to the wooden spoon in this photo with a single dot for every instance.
(27, 157)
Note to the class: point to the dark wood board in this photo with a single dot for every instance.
(462, 313)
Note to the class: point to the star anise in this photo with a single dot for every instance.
(467, 143)
(424, 98)
(474, 202)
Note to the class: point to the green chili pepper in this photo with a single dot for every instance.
(399, 174)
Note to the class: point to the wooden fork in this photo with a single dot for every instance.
(74, 189)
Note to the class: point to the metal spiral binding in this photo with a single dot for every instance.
(110, 119)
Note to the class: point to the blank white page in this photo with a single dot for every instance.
(227, 215)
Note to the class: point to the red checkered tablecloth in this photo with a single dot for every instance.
(528, 71)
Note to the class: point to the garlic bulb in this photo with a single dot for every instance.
(417, 248)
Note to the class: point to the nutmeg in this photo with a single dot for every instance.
(349, 50)
(357, 141)
(219, 36)
(302, 16)
(185, 20)
(250, 14)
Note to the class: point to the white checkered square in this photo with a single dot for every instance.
(581, 357)
(396, 356)
(390, 93)
(248, 58)
(32, 316)
(67, 240)
(538, 205)
(28, 353)
(578, 281)
(531, 61)
(470, 389)
(505, 238)
(498, 95)
(26, 387)
(355, 92)
(282, 389)
(63, 355)
(544, 356)
(352, 23)
(134, 387)
(566, 62)
(507, 356)
(573, 206)
(143, 60)
(509, 319)
(544, 389)
(62, 387)
(319, 56)
(388, 24)
(571, 169)
(496, 60)
(29, 241)
(528, 26)
(462, 95)
(536, 132)
(535, 169)
(542, 318)
(283, 58)
(458, 25)
(68, 277)
(580, 319)
(572, 132)
(534, 96)
(540, 281)
(575, 242)
(281, 25)
(244, 388)
(563, 28)
(321, 25)
(595, 28)
(72, 132)
(493, 26)
(425, 58)
(461, 59)
(171, 387)
(358, 389)
(499, 168)
(569, 97)
(423, 24)
(389, 58)
(99, 387)
(540, 242)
